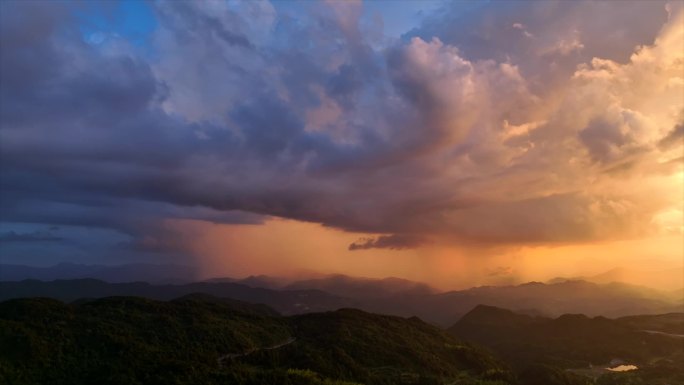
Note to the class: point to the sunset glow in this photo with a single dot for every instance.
(342, 192)
(457, 144)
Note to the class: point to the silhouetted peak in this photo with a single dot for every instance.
(491, 318)
(198, 297)
(492, 314)
(570, 318)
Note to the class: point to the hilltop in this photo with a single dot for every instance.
(200, 339)
(386, 296)
(576, 341)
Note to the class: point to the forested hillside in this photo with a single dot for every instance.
(201, 339)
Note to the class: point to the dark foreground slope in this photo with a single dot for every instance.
(204, 340)
(575, 341)
(672, 323)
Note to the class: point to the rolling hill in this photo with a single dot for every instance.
(286, 302)
(381, 296)
(575, 341)
(200, 339)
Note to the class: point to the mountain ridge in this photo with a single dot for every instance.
(443, 309)
(572, 340)
(118, 340)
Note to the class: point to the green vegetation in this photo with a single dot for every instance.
(125, 340)
(200, 339)
(667, 323)
(540, 374)
(393, 297)
(204, 340)
(543, 349)
(355, 345)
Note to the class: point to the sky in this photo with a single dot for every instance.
(455, 143)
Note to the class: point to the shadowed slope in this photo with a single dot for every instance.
(200, 339)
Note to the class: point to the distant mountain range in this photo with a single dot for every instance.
(610, 300)
(395, 297)
(671, 279)
(340, 285)
(284, 301)
(337, 284)
(135, 272)
(407, 298)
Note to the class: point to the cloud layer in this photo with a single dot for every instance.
(527, 123)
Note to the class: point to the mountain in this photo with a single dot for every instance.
(610, 300)
(407, 298)
(672, 323)
(353, 287)
(337, 284)
(484, 318)
(265, 281)
(117, 273)
(257, 281)
(575, 341)
(664, 279)
(199, 339)
(285, 302)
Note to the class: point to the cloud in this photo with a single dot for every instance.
(394, 242)
(460, 132)
(673, 137)
(36, 236)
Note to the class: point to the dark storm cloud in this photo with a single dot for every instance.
(393, 242)
(231, 118)
(90, 145)
(36, 236)
(603, 139)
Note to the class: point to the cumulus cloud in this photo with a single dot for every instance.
(460, 132)
(673, 137)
